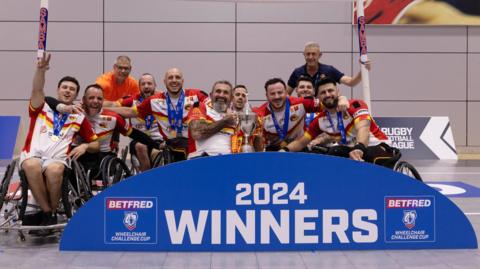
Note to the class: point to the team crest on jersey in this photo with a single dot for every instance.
(295, 108)
(72, 117)
(322, 76)
(130, 220)
(188, 106)
(409, 217)
(43, 129)
(294, 117)
(102, 124)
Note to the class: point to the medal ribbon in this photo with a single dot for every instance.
(282, 133)
(340, 126)
(175, 115)
(309, 118)
(149, 118)
(58, 122)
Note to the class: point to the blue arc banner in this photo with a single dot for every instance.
(268, 202)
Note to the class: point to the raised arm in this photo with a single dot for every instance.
(126, 112)
(38, 95)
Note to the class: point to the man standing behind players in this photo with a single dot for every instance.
(48, 141)
(316, 70)
(118, 83)
(212, 124)
(170, 109)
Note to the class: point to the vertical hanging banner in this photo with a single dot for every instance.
(420, 137)
(268, 202)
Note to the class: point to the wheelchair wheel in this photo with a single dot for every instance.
(116, 170)
(79, 180)
(7, 177)
(407, 169)
(162, 158)
(24, 200)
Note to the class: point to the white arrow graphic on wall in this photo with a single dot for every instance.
(438, 137)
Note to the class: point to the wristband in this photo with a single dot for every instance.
(361, 147)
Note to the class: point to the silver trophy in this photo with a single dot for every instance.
(248, 123)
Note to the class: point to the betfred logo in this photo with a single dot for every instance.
(408, 203)
(122, 204)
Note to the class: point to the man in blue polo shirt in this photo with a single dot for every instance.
(316, 70)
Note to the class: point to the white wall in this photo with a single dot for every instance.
(417, 70)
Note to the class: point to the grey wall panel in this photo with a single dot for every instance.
(170, 37)
(414, 39)
(456, 111)
(14, 10)
(80, 36)
(473, 77)
(18, 35)
(327, 12)
(200, 70)
(253, 69)
(473, 126)
(60, 36)
(473, 39)
(169, 11)
(292, 37)
(414, 76)
(85, 66)
(64, 10)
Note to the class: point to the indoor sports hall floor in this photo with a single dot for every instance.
(43, 253)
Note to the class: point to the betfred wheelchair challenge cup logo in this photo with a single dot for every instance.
(130, 220)
(410, 219)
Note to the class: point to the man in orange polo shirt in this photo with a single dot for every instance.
(118, 83)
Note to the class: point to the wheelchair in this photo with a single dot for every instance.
(20, 214)
(387, 157)
(162, 157)
(109, 170)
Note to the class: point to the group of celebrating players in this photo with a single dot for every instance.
(188, 123)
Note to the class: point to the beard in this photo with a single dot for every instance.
(220, 105)
(329, 103)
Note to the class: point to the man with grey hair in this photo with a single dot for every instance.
(118, 83)
(211, 125)
(316, 70)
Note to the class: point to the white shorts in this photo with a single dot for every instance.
(44, 161)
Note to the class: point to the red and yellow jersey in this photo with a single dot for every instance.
(156, 105)
(105, 124)
(41, 141)
(141, 123)
(113, 91)
(298, 108)
(357, 111)
(217, 144)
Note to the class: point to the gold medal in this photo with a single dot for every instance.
(55, 138)
(173, 134)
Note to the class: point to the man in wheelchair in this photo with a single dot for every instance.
(105, 123)
(351, 134)
(47, 146)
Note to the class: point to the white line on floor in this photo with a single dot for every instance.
(472, 213)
